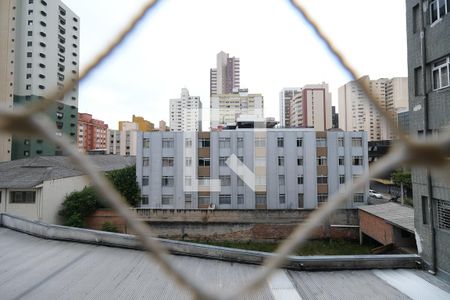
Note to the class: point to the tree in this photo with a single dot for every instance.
(399, 177)
(78, 205)
(125, 182)
(108, 226)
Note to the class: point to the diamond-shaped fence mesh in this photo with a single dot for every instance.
(408, 151)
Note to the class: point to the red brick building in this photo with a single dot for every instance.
(91, 133)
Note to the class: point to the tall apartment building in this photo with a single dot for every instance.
(357, 113)
(8, 11)
(124, 141)
(312, 108)
(91, 133)
(294, 168)
(286, 96)
(334, 117)
(42, 39)
(186, 112)
(225, 78)
(428, 24)
(226, 108)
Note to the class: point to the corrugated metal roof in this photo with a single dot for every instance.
(34, 268)
(29, 172)
(394, 213)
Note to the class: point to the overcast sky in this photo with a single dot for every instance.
(177, 44)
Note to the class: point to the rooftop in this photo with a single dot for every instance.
(393, 213)
(30, 172)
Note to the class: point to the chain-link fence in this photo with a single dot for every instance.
(30, 120)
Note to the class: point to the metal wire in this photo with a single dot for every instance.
(29, 120)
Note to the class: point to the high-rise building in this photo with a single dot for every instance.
(186, 112)
(293, 168)
(40, 40)
(357, 113)
(428, 24)
(334, 117)
(286, 96)
(226, 108)
(91, 133)
(225, 78)
(312, 108)
(8, 11)
(143, 124)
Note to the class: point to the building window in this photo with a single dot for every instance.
(203, 200)
(299, 161)
(321, 142)
(260, 161)
(144, 200)
(280, 142)
(224, 143)
(340, 142)
(281, 180)
(299, 142)
(300, 180)
(281, 160)
(188, 200)
(204, 162)
(22, 197)
(260, 142)
(145, 180)
(30, 33)
(282, 198)
(225, 180)
(322, 161)
(260, 180)
(240, 182)
(240, 199)
(322, 179)
(341, 160)
(29, 54)
(440, 73)
(260, 199)
(321, 198)
(146, 143)
(356, 142)
(358, 198)
(425, 210)
(443, 214)
(438, 9)
(188, 161)
(188, 180)
(341, 179)
(188, 143)
(224, 199)
(167, 181)
(167, 199)
(240, 142)
(357, 160)
(145, 161)
(203, 143)
(300, 200)
(167, 161)
(222, 161)
(167, 143)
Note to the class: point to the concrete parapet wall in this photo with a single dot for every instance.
(55, 232)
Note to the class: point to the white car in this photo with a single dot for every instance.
(375, 194)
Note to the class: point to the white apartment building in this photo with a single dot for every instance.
(225, 78)
(186, 112)
(123, 142)
(226, 108)
(293, 168)
(311, 108)
(357, 113)
(286, 96)
(44, 38)
(8, 9)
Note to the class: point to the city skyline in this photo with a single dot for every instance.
(160, 70)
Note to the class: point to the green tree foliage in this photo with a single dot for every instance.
(108, 226)
(399, 177)
(125, 182)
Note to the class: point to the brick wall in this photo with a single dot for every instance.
(376, 228)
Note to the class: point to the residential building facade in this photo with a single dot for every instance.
(8, 10)
(142, 123)
(357, 113)
(428, 24)
(46, 56)
(186, 112)
(226, 108)
(293, 168)
(225, 78)
(334, 117)
(123, 142)
(312, 108)
(286, 96)
(91, 133)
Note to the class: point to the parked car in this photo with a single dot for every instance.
(375, 194)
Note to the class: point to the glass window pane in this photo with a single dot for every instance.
(444, 76)
(436, 84)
